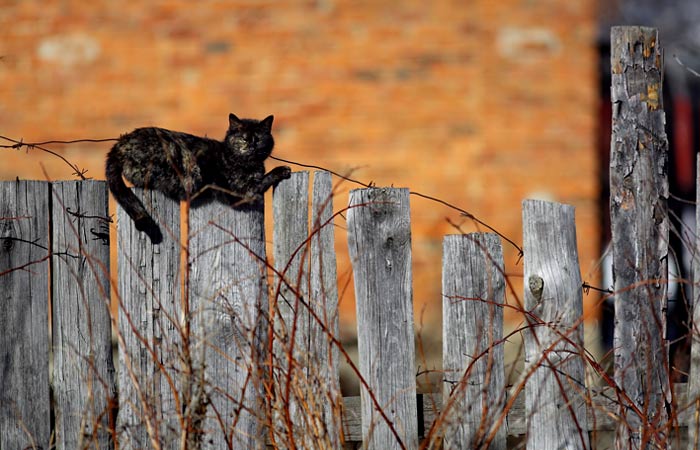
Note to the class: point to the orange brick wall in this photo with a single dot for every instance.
(480, 103)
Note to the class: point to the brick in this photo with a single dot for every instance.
(479, 104)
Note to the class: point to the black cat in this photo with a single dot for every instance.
(184, 167)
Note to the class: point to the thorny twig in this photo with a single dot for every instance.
(35, 243)
(417, 194)
(38, 145)
(79, 215)
(588, 287)
(81, 173)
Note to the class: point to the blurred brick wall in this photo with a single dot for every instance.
(481, 103)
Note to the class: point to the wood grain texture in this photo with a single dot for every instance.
(307, 405)
(293, 404)
(379, 240)
(555, 394)
(229, 315)
(24, 315)
(639, 221)
(150, 345)
(83, 369)
(473, 289)
(694, 375)
(324, 302)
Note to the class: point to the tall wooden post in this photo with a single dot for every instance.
(228, 307)
(24, 299)
(694, 375)
(555, 401)
(379, 239)
(639, 220)
(473, 292)
(83, 368)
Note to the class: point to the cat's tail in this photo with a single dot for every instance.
(128, 200)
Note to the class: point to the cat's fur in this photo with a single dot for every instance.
(184, 166)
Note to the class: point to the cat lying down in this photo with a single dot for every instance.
(184, 166)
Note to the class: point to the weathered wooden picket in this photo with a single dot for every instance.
(218, 348)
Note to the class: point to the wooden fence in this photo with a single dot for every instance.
(218, 348)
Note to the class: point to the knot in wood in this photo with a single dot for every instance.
(536, 285)
(389, 243)
(7, 244)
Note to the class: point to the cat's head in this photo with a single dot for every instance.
(250, 138)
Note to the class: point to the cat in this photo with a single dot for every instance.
(184, 166)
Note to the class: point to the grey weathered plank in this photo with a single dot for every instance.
(150, 348)
(324, 302)
(379, 239)
(555, 393)
(473, 289)
(313, 406)
(83, 369)
(24, 302)
(639, 220)
(293, 404)
(694, 375)
(229, 305)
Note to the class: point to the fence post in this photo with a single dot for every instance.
(150, 344)
(555, 393)
(473, 292)
(639, 221)
(324, 302)
(83, 369)
(24, 302)
(379, 240)
(694, 375)
(311, 415)
(290, 366)
(229, 310)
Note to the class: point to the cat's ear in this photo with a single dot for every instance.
(267, 122)
(233, 121)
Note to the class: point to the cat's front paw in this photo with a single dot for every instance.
(273, 177)
(282, 172)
